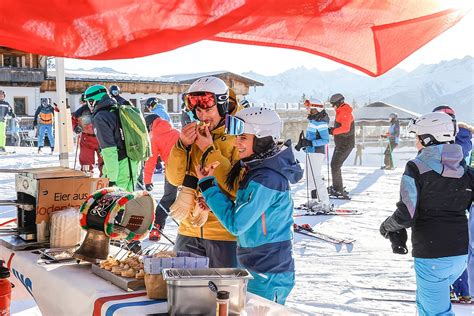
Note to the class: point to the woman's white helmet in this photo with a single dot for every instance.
(434, 128)
(261, 122)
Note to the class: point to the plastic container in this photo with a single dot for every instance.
(5, 290)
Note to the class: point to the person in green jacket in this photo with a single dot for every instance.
(121, 170)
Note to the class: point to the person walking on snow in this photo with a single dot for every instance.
(393, 137)
(121, 170)
(317, 137)
(162, 137)
(5, 109)
(44, 119)
(344, 140)
(89, 145)
(436, 190)
(262, 215)
(200, 232)
(461, 287)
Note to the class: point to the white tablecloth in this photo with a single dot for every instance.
(72, 289)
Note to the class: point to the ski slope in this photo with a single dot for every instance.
(328, 282)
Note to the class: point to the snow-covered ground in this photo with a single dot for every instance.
(327, 282)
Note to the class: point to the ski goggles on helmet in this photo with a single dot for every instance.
(234, 125)
(204, 100)
(313, 106)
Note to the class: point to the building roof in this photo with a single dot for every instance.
(190, 78)
(380, 111)
(110, 75)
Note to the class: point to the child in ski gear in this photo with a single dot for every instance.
(163, 137)
(89, 145)
(5, 109)
(344, 140)
(200, 232)
(262, 215)
(317, 133)
(460, 289)
(157, 106)
(121, 170)
(393, 138)
(436, 190)
(44, 119)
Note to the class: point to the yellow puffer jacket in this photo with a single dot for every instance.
(223, 151)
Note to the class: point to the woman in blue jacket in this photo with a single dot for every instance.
(262, 215)
(317, 136)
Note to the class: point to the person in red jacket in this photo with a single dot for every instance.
(89, 146)
(163, 137)
(344, 140)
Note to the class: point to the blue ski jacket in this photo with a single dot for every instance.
(262, 215)
(318, 133)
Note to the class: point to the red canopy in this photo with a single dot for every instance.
(371, 36)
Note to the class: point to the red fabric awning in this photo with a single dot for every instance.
(371, 36)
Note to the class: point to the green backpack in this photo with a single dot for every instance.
(134, 133)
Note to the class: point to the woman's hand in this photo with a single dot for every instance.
(208, 171)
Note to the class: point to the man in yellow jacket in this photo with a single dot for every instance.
(203, 143)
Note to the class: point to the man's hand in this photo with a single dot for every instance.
(204, 138)
(331, 129)
(188, 134)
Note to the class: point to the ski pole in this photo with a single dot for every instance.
(327, 157)
(167, 213)
(161, 232)
(312, 173)
(307, 181)
(77, 150)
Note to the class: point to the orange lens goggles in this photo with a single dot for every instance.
(203, 100)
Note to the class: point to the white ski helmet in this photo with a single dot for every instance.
(434, 128)
(261, 122)
(216, 86)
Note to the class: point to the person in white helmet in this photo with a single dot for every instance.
(262, 215)
(435, 192)
(201, 142)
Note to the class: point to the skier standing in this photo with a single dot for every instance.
(121, 170)
(393, 137)
(200, 232)
(262, 215)
(344, 140)
(44, 119)
(435, 192)
(5, 109)
(317, 137)
(460, 290)
(162, 137)
(89, 145)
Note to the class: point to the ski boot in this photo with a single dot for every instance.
(466, 299)
(40, 149)
(335, 194)
(387, 168)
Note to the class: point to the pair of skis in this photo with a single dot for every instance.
(307, 230)
(333, 211)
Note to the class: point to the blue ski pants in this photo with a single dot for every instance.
(273, 286)
(48, 130)
(434, 277)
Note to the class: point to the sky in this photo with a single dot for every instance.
(206, 56)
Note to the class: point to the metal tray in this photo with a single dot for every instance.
(127, 284)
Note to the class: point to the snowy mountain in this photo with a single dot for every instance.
(450, 82)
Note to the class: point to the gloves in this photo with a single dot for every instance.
(399, 241)
(331, 129)
(383, 231)
(303, 142)
(149, 187)
(77, 129)
(200, 212)
(184, 204)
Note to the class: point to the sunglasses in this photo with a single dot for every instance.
(234, 125)
(204, 100)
